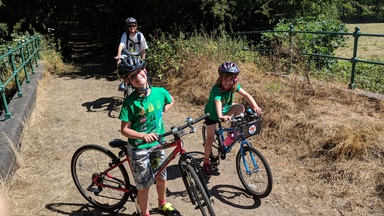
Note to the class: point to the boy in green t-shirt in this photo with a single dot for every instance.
(141, 120)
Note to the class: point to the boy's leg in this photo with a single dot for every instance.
(161, 182)
(210, 129)
(161, 187)
(164, 206)
(142, 174)
(4, 206)
(142, 197)
(236, 109)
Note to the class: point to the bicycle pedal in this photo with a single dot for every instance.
(214, 160)
(214, 165)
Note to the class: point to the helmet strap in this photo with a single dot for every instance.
(146, 87)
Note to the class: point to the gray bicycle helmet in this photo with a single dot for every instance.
(130, 64)
(229, 67)
(130, 21)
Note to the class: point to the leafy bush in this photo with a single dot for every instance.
(369, 77)
(168, 52)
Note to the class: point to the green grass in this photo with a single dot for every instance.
(369, 47)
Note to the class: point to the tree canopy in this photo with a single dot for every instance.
(106, 18)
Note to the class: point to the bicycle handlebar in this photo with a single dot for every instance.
(175, 130)
(190, 122)
(248, 113)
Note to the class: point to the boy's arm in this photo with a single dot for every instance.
(219, 111)
(168, 106)
(250, 100)
(143, 54)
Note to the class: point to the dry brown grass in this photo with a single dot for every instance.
(323, 142)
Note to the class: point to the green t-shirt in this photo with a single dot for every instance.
(226, 99)
(145, 113)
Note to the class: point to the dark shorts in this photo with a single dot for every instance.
(209, 121)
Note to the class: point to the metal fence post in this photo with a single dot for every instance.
(7, 114)
(35, 47)
(37, 43)
(15, 72)
(30, 56)
(290, 47)
(23, 61)
(356, 35)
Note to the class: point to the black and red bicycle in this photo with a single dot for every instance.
(103, 180)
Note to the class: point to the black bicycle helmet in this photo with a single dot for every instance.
(130, 21)
(130, 64)
(229, 67)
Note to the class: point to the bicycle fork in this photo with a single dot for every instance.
(246, 165)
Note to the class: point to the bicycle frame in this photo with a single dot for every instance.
(89, 160)
(219, 133)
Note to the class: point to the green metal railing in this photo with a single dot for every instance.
(354, 59)
(17, 59)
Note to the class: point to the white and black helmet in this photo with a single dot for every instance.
(130, 21)
(130, 64)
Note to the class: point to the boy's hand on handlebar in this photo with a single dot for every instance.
(118, 58)
(148, 138)
(257, 110)
(226, 118)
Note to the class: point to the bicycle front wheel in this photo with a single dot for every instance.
(254, 171)
(196, 189)
(91, 161)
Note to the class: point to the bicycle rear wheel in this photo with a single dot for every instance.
(196, 190)
(90, 161)
(254, 172)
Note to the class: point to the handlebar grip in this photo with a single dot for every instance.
(144, 142)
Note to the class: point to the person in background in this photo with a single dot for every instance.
(141, 118)
(132, 43)
(220, 105)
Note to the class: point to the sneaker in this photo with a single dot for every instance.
(121, 86)
(169, 210)
(207, 171)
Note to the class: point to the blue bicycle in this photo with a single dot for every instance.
(252, 168)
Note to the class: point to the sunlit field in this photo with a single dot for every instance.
(369, 47)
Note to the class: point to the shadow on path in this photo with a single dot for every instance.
(228, 193)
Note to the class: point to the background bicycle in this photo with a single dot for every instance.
(101, 178)
(252, 168)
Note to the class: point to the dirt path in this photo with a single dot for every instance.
(73, 111)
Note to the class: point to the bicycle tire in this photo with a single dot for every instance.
(258, 182)
(91, 160)
(215, 150)
(196, 190)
